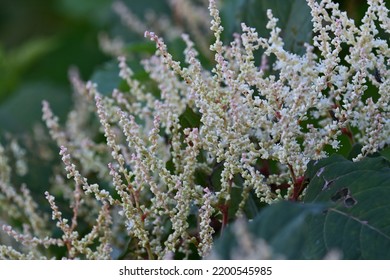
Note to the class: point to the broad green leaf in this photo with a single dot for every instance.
(386, 153)
(281, 225)
(345, 209)
(357, 221)
(189, 119)
(355, 151)
(294, 20)
(107, 77)
(23, 109)
(231, 15)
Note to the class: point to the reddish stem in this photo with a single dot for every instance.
(225, 215)
(346, 131)
(299, 186)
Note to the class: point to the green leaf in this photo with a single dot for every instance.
(281, 225)
(107, 77)
(294, 20)
(189, 119)
(96, 12)
(140, 47)
(386, 153)
(23, 109)
(355, 151)
(14, 63)
(357, 221)
(345, 209)
(231, 15)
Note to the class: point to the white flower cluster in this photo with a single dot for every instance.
(160, 172)
(295, 115)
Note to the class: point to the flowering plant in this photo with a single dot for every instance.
(161, 187)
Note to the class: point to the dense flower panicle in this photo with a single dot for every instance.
(81, 181)
(156, 173)
(206, 231)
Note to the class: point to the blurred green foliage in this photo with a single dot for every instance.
(39, 41)
(294, 19)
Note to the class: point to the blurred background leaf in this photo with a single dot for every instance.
(15, 62)
(294, 19)
(39, 42)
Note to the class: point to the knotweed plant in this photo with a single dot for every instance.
(162, 188)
